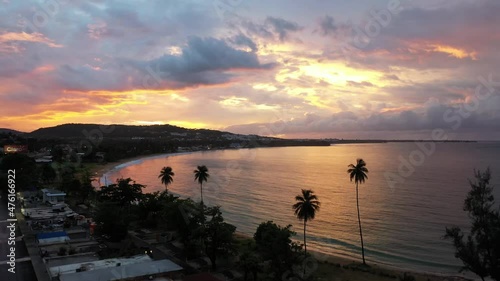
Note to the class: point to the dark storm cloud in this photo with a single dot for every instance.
(272, 28)
(327, 25)
(243, 40)
(282, 27)
(203, 61)
(258, 30)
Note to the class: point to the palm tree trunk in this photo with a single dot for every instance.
(201, 191)
(305, 245)
(359, 222)
(305, 249)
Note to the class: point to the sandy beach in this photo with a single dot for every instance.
(329, 267)
(98, 171)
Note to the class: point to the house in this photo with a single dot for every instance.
(53, 196)
(135, 268)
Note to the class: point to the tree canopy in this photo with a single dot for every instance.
(274, 244)
(124, 192)
(479, 250)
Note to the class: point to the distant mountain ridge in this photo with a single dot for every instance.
(6, 131)
(76, 130)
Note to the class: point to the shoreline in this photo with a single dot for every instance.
(354, 265)
(99, 170)
(326, 259)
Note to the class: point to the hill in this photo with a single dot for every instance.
(10, 131)
(120, 131)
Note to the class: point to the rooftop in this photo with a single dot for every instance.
(124, 271)
(96, 265)
(47, 213)
(53, 192)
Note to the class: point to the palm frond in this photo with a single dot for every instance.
(307, 205)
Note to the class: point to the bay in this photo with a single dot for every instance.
(404, 207)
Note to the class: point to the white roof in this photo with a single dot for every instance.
(124, 271)
(99, 264)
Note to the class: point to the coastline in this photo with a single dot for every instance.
(329, 263)
(99, 170)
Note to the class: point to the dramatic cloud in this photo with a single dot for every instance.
(282, 27)
(286, 68)
(204, 61)
(452, 120)
(9, 41)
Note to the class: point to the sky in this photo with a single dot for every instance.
(381, 69)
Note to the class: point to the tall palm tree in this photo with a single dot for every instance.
(201, 175)
(305, 209)
(359, 172)
(166, 176)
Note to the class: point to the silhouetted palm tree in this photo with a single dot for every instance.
(201, 175)
(358, 173)
(166, 176)
(305, 209)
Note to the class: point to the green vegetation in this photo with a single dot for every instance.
(201, 175)
(274, 244)
(217, 235)
(166, 176)
(305, 209)
(358, 173)
(480, 250)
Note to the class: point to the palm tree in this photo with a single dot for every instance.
(201, 175)
(166, 175)
(305, 209)
(358, 173)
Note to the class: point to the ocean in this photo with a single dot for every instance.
(413, 191)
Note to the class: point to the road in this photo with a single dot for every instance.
(23, 270)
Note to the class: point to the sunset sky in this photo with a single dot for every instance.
(288, 68)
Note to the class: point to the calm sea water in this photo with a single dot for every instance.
(402, 226)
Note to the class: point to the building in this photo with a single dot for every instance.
(15, 148)
(44, 159)
(52, 237)
(134, 268)
(53, 196)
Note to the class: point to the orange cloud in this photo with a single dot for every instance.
(82, 106)
(7, 40)
(454, 52)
